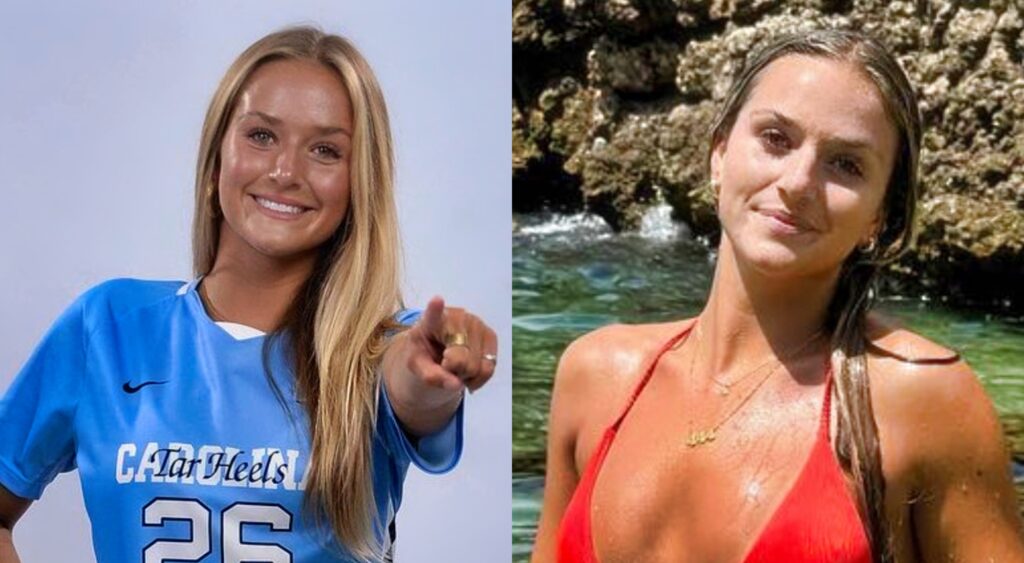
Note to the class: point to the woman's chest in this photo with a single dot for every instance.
(190, 414)
(663, 494)
(192, 456)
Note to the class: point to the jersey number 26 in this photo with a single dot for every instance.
(161, 510)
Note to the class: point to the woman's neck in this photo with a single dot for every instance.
(750, 316)
(252, 289)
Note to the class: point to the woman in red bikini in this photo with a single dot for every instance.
(784, 423)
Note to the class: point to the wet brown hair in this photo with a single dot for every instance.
(856, 433)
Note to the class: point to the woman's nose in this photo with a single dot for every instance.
(286, 166)
(801, 179)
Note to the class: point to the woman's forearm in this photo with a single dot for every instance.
(420, 421)
(7, 552)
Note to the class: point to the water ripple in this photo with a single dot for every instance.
(571, 275)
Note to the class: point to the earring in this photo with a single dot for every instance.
(870, 247)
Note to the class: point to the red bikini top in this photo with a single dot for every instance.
(817, 520)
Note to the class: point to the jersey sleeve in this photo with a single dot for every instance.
(37, 411)
(437, 453)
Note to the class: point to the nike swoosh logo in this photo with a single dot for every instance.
(129, 389)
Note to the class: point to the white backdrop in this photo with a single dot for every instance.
(102, 105)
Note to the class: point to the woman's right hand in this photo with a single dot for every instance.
(426, 373)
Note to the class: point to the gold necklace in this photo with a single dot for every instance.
(701, 437)
(724, 386)
(698, 438)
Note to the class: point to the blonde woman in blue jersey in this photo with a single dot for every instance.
(268, 409)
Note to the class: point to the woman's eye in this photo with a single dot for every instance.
(848, 166)
(261, 136)
(327, 151)
(775, 139)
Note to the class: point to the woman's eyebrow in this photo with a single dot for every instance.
(774, 115)
(264, 116)
(848, 143)
(851, 144)
(321, 129)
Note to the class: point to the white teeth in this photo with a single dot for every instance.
(279, 206)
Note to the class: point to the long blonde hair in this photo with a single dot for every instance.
(339, 319)
(857, 434)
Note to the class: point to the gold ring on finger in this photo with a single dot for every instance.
(457, 339)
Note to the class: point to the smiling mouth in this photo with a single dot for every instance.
(785, 222)
(280, 207)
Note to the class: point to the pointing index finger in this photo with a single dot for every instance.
(433, 320)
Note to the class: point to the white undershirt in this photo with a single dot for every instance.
(235, 330)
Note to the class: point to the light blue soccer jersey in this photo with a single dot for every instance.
(183, 450)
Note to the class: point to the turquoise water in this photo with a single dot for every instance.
(572, 275)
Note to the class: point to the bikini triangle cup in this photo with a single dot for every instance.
(817, 520)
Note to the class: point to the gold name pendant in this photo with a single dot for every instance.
(700, 437)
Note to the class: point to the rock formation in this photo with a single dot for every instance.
(613, 100)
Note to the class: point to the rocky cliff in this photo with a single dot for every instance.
(613, 100)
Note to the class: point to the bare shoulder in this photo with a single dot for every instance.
(943, 450)
(598, 370)
(914, 372)
(613, 356)
(889, 338)
(929, 401)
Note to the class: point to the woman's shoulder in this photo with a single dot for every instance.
(912, 367)
(926, 397)
(114, 297)
(602, 366)
(617, 350)
(889, 339)
(133, 291)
